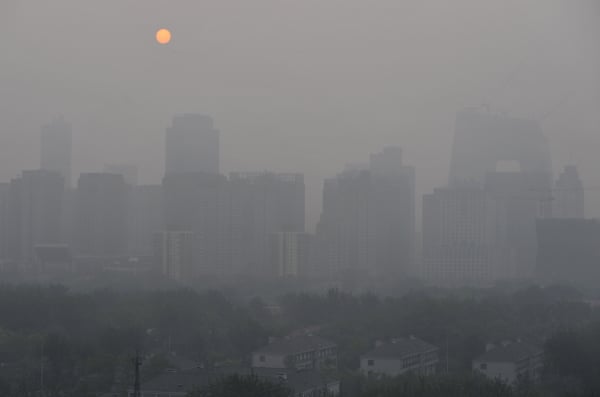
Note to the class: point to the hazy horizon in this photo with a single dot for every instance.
(297, 86)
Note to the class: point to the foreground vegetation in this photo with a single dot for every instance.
(81, 344)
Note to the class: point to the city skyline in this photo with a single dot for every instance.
(398, 75)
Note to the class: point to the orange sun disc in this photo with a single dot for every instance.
(163, 36)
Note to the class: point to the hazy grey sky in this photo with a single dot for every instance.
(297, 85)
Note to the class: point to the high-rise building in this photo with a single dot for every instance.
(4, 221)
(394, 205)
(263, 204)
(569, 195)
(35, 212)
(55, 150)
(346, 232)
(290, 252)
(232, 220)
(526, 198)
(192, 145)
(510, 158)
(200, 203)
(483, 139)
(367, 226)
(101, 216)
(174, 251)
(145, 218)
(464, 237)
(569, 251)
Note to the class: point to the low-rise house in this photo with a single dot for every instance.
(307, 383)
(300, 352)
(400, 356)
(511, 362)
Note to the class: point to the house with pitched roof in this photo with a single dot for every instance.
(511, 362)
(400, 356)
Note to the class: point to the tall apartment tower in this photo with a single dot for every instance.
(464, 237)
(569, 195)
(145, 218)
(262, 204)
(35, 214)
(101, 215)
(197, 206)
(483, 141)
(367, 227)
(4, 221)
(55, 149)
(192, 145)
(394, 196)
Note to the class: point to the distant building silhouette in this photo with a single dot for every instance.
(174, 252)
(55, 148)
(263, 203)
(569, 195)
(200, 203)
(464, 237)
(101, 216)
(368, 219)
(35, 214)
(290, 253)
(483, 141)
(192, 145)
(145, 218)
(5, 230)
(569, 251)
(394, 195)
(232, 220)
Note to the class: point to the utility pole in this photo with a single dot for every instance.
(137, 362)
(43, 393)
(447, 355)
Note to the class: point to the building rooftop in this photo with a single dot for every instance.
(297, 344)
(510, 353)
(400, 347)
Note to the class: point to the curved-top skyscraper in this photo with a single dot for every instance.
(483, 139)
(484, 142)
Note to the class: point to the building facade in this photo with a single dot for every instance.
(568, 251)
(465, 237)
(174, 253)
(400, 356)
(145, 218)
(300, 352)
(511, 363)
(290, 253)
(484, 143)
(35, 214)
(263, 204)
(367, 225)
(569, 200)
(101, 216)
